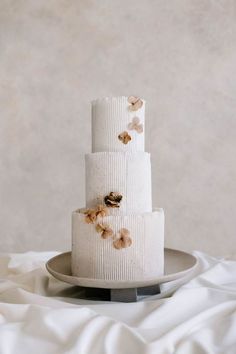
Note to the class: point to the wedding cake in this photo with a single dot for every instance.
(118, 236)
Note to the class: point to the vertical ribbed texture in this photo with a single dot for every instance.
(110, 117)
(94, 257)
(126, 173)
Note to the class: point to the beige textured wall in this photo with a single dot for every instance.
(55, 56)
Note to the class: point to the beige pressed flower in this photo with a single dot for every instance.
(90, 216)
(113, 200)
(123, 240)
(105, 230)
(124, 137)
(136, 125)
(135, 103)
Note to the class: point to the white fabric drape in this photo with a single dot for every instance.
(41, 315)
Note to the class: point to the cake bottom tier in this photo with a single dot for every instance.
(97, 258)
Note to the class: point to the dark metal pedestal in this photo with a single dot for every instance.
(122, 295)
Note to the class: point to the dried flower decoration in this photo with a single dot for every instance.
(136, 125)
(113, 200)
(124, 240)
(124, 137)
(102, 211)
(135, 103)
(105, 230)
(90, 216)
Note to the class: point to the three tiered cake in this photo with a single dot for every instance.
(118, 236)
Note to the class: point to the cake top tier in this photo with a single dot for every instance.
(118, 124)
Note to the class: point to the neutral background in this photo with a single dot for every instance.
(55, 56)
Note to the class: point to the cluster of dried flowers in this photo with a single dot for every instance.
(135, 104)
(122, 239)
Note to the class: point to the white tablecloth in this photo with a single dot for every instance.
(39, 314)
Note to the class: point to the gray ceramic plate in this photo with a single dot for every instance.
(177, 265)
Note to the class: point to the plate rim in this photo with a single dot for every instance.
(112, 284)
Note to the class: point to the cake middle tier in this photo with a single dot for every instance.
(126, 174)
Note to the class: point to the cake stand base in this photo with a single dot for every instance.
(121, 295)
(178, 265)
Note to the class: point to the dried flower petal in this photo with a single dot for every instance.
(136, 120)
(99, 227)
(124, 240)
(124, 232)
(136, 125)
(124, 137)
(102, 210)
(135, 103)
(118, 244)
(107, 233)
(105, 230)
(90, 216)
(113, 200)
(121, 243)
